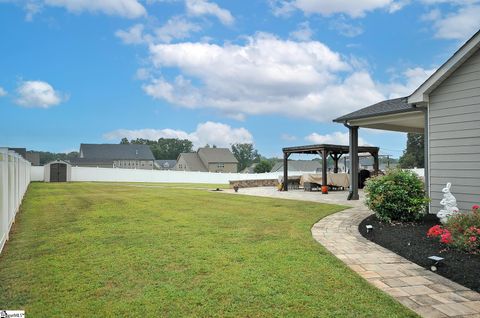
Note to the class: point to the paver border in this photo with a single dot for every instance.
(426, 293)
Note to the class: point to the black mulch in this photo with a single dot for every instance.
(411, 242)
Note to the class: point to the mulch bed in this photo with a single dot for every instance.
(411, 242)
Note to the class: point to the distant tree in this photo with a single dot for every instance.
(245, 154)
(165, 148)
(46, 156)
(413, 155)
(263, 166)
(124, 141)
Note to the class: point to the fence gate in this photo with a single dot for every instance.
(58, 172)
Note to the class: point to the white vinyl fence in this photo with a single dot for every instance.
(14, 181)
(160, 176)
(163, 176)
(166, 176)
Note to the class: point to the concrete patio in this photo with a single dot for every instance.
(333, 197)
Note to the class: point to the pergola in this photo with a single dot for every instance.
(335, 152)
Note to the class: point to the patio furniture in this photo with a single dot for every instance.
(335, 181)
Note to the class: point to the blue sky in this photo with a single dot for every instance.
(271, 72)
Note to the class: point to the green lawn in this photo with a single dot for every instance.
(93, 249)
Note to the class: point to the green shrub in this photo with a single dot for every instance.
(397, 196)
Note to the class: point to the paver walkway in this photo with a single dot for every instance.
(428, 294)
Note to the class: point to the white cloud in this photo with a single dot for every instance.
(346, 29)
(459, 25)
(124, 8)
(176, 28)
(204, 7)
(3, 92)
(133, 35)
(355, 9)
(412, 79)
(266, 75)
(32, 8)
(335, 138)
(303, 32)
(38, 94)
(211, 133)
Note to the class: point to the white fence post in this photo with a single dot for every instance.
(3, 196)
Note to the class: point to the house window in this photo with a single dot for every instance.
(180, 166)
(220, 165)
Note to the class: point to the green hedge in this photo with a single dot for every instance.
(397, 196)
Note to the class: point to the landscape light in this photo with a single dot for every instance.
(437, 261)
(369, 228)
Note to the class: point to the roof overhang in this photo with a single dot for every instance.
(412, 121)
(421, 95)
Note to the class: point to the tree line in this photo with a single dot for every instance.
(171, 148)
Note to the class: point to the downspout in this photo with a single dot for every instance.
(426, 166)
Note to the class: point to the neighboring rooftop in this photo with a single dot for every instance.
(217, 155)
(116, 152)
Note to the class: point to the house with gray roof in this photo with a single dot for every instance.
(208, 160)
(126, 156)
(446, 109)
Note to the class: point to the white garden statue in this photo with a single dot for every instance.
(449, 205)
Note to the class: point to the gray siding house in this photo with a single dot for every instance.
(129, 156)
(446, 108)
(208, 160)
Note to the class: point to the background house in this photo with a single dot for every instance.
(32, 156)
(129, 156)
(208, 160)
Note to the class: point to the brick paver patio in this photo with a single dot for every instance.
(428, 294)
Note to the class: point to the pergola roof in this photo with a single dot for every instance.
(337, 149)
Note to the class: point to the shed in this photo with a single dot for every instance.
(58, 171)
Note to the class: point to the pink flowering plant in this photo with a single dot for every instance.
(462, 231)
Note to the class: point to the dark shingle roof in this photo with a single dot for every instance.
(391, 106)
(116, 152)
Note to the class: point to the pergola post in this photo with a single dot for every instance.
(376, 167)
(285, 171)
(324, 167)
(353, 150)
